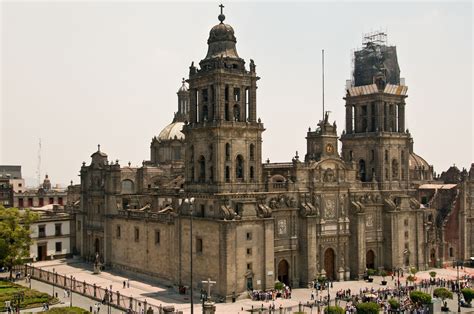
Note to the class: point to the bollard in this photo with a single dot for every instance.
(95, 290)
(118, 298)
(84, 287)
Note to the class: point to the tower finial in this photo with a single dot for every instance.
(221, 16)
(183, 81)
(98, 147)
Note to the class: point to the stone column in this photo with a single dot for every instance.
(356, 119)
(253, 100)
(192, 109)
(401, 117)
(348, 118)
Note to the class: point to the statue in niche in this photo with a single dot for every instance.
(329, 175)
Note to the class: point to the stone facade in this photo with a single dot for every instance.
(253, 222)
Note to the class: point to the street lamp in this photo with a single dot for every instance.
(457, 265)
(53, 282)
(190, 202)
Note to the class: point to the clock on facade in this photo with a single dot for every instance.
(329, 149)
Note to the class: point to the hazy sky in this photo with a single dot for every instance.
(76, 74)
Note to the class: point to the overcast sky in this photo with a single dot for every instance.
(76, 74)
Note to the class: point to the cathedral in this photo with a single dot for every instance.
(206, 197)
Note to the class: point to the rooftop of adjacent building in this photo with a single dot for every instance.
(10, 171)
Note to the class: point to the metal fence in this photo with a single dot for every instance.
(104, 295)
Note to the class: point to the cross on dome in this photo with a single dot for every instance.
(221, 16)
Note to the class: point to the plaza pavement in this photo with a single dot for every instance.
(157, 294)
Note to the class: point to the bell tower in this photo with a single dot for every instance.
(375, 138)
(223, 135)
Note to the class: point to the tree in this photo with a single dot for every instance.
(443, 293)
(394, 304)
(468, 294)
(279, 285)
(333, 310)
(15, 235)
(368, 308)
(433, 274)
(419, 297)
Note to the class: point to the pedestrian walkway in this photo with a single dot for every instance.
(157, 294)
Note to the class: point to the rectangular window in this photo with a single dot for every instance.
(118, 232)
(57, 229)
(20, 202)
(51, 200)
(137, 234)
(60, 200)
(406, 234)
(249, 251)
(237, 94)
(157, 236)
(249, 235)
(41, 202)
(406, 222)
(41, 231)
(59, 246)
(198, 245)
(30, 202)
(205, 96)
(249, 266)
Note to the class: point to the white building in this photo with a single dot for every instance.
(51, 234)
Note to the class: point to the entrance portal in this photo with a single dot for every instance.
(96, 245)
(329, 266)
(370, 260)
(42, 252)
(283, 272)
(433, 258)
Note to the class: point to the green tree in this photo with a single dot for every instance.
(333, 310)
(420, 297)
(443, 293)
(468, 294)
(279, 285)
(432, 274)
(15, 235)
(368, 308)
(394, 304)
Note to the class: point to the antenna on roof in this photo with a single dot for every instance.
(322, 53)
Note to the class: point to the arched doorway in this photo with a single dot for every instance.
(433, 258)
(370, 260)
(283, 272)
(329, 267)
(96, 245)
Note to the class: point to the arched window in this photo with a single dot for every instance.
(252, 152)
(227, 174)
(239, 167)
(202, 169)
(227, 151)
(205, 113)
(394, 169)
(236, 112)
(127, 187)
(362, 172)
(251, 173)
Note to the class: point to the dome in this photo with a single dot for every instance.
(184, 87)
(171, 132)
(417, 162)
